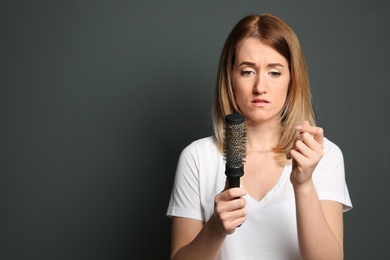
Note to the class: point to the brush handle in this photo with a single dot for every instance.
(233, 182)
(233, 175)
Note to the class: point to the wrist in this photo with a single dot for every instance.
(215, 229)
(303, 188)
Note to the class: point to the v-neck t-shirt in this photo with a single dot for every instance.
(270, 230)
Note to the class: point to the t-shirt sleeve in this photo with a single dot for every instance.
(185, 198)
(329, 177)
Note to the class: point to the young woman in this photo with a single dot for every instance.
(293, 193)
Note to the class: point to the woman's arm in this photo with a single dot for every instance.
(319, 223)
(192, 239)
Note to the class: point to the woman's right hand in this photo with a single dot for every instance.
(229, 210)
(194, 239)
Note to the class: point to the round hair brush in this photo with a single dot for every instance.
(234, 147)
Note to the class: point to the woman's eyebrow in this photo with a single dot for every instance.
(247, 63)
(275, 65)
(271, 65)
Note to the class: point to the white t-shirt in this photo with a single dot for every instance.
(270, 230)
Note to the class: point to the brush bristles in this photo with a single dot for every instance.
(235, 145)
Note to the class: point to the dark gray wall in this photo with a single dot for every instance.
(98, 98)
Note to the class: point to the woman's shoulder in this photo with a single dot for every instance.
(202, 147)
(203, 143)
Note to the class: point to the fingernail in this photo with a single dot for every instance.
(299, 128)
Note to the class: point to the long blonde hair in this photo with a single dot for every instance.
(274, 32)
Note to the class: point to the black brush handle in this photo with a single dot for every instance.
(234, 175)
(233, 182)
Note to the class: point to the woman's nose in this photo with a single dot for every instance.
(259, 86)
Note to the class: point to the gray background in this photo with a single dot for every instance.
(98, 98)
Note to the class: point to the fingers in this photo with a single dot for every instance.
(230, 208)
(307, 145)
(316, 132)
(307, 151)
(231, 193)
(230, 200)
(230, 220)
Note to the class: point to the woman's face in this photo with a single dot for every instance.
(261, 79)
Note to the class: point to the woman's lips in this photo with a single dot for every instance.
(257, 102)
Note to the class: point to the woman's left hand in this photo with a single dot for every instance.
(306, 153)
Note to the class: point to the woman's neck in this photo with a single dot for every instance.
(262, 138)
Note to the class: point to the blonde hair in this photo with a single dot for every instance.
(275, 33)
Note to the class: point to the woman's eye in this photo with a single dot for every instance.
(274, 74)
(247, 73)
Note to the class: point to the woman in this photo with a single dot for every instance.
(293, 192)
